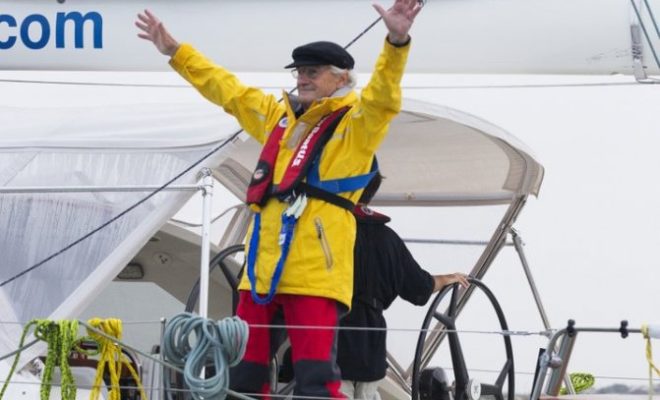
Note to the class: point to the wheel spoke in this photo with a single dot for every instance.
(492, 390)
(503, 374)
(453, 302)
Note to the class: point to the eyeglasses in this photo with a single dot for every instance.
(309, 72)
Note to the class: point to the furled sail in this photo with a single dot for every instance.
(495, 36)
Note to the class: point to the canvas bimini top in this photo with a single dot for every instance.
(432, 156)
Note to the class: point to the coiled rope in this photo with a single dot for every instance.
(581, 381)
(197, 344)
(61, 338)
(111, 355)
(649, 357)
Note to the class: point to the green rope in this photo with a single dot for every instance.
(15, 363)
(61, 338)
(581, 381)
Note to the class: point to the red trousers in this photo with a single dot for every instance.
(313, 351)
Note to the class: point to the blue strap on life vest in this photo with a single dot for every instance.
(341, 185)
(289, 222)
(286, 235)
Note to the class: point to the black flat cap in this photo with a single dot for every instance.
(321, 53)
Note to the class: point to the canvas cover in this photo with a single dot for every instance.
(438, 156)
(106, 146)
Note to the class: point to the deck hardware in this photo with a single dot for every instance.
(570, 328)
(624, 329)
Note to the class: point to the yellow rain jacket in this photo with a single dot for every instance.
(320, 260)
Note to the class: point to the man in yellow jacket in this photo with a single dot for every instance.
(300, 245)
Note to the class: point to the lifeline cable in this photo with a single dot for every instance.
(20, 349)
(168, 183)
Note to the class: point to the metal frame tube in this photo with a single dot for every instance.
(207, 197)
(518, 244)
(449, 241)
(161, 394)
(637, 30)
(559, 374)
(396, 372)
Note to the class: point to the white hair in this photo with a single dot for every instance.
(352, 76)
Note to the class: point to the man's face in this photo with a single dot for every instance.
(315, 82)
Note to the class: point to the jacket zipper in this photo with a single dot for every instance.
(320, 232)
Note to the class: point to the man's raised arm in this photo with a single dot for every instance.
(154, 31)
(399, 19)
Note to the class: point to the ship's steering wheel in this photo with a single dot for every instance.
(464, 387)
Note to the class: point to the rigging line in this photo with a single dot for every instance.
(126, 211)
(368, 28)
(646, 34)
(150, 195)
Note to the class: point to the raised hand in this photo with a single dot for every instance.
(399, 18)
(154, 31)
